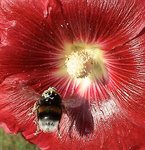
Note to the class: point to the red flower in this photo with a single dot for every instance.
(93, 53)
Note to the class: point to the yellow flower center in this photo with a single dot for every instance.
(85, 61)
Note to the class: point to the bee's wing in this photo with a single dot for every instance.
(72, 102)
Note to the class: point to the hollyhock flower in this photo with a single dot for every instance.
(93, 53)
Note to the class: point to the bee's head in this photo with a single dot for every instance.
(50, 91)
(50, 96)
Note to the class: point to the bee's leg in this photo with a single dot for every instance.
(37, 130)
(35, 121)
(35, 107)
(58, 131)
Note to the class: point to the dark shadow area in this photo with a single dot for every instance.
(79, 113)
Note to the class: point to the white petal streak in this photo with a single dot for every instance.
(105, 111)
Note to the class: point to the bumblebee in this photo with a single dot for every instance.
(48, 111)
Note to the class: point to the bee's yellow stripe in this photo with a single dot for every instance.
(42, 109)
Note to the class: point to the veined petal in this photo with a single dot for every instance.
(31, 40)
(16, 101)
(33, 51)
(108, 23)
(111, 127)
(127, 73)
(39, 39)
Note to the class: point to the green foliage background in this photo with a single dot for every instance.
(14, 142)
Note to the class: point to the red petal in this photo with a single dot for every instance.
(32, 45)
(127, 78)
(35, 42)
(29, 44)
(112, 130)
(108, 23)
(16, 102)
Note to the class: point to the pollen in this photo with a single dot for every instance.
(85, 62)
(77, 64)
